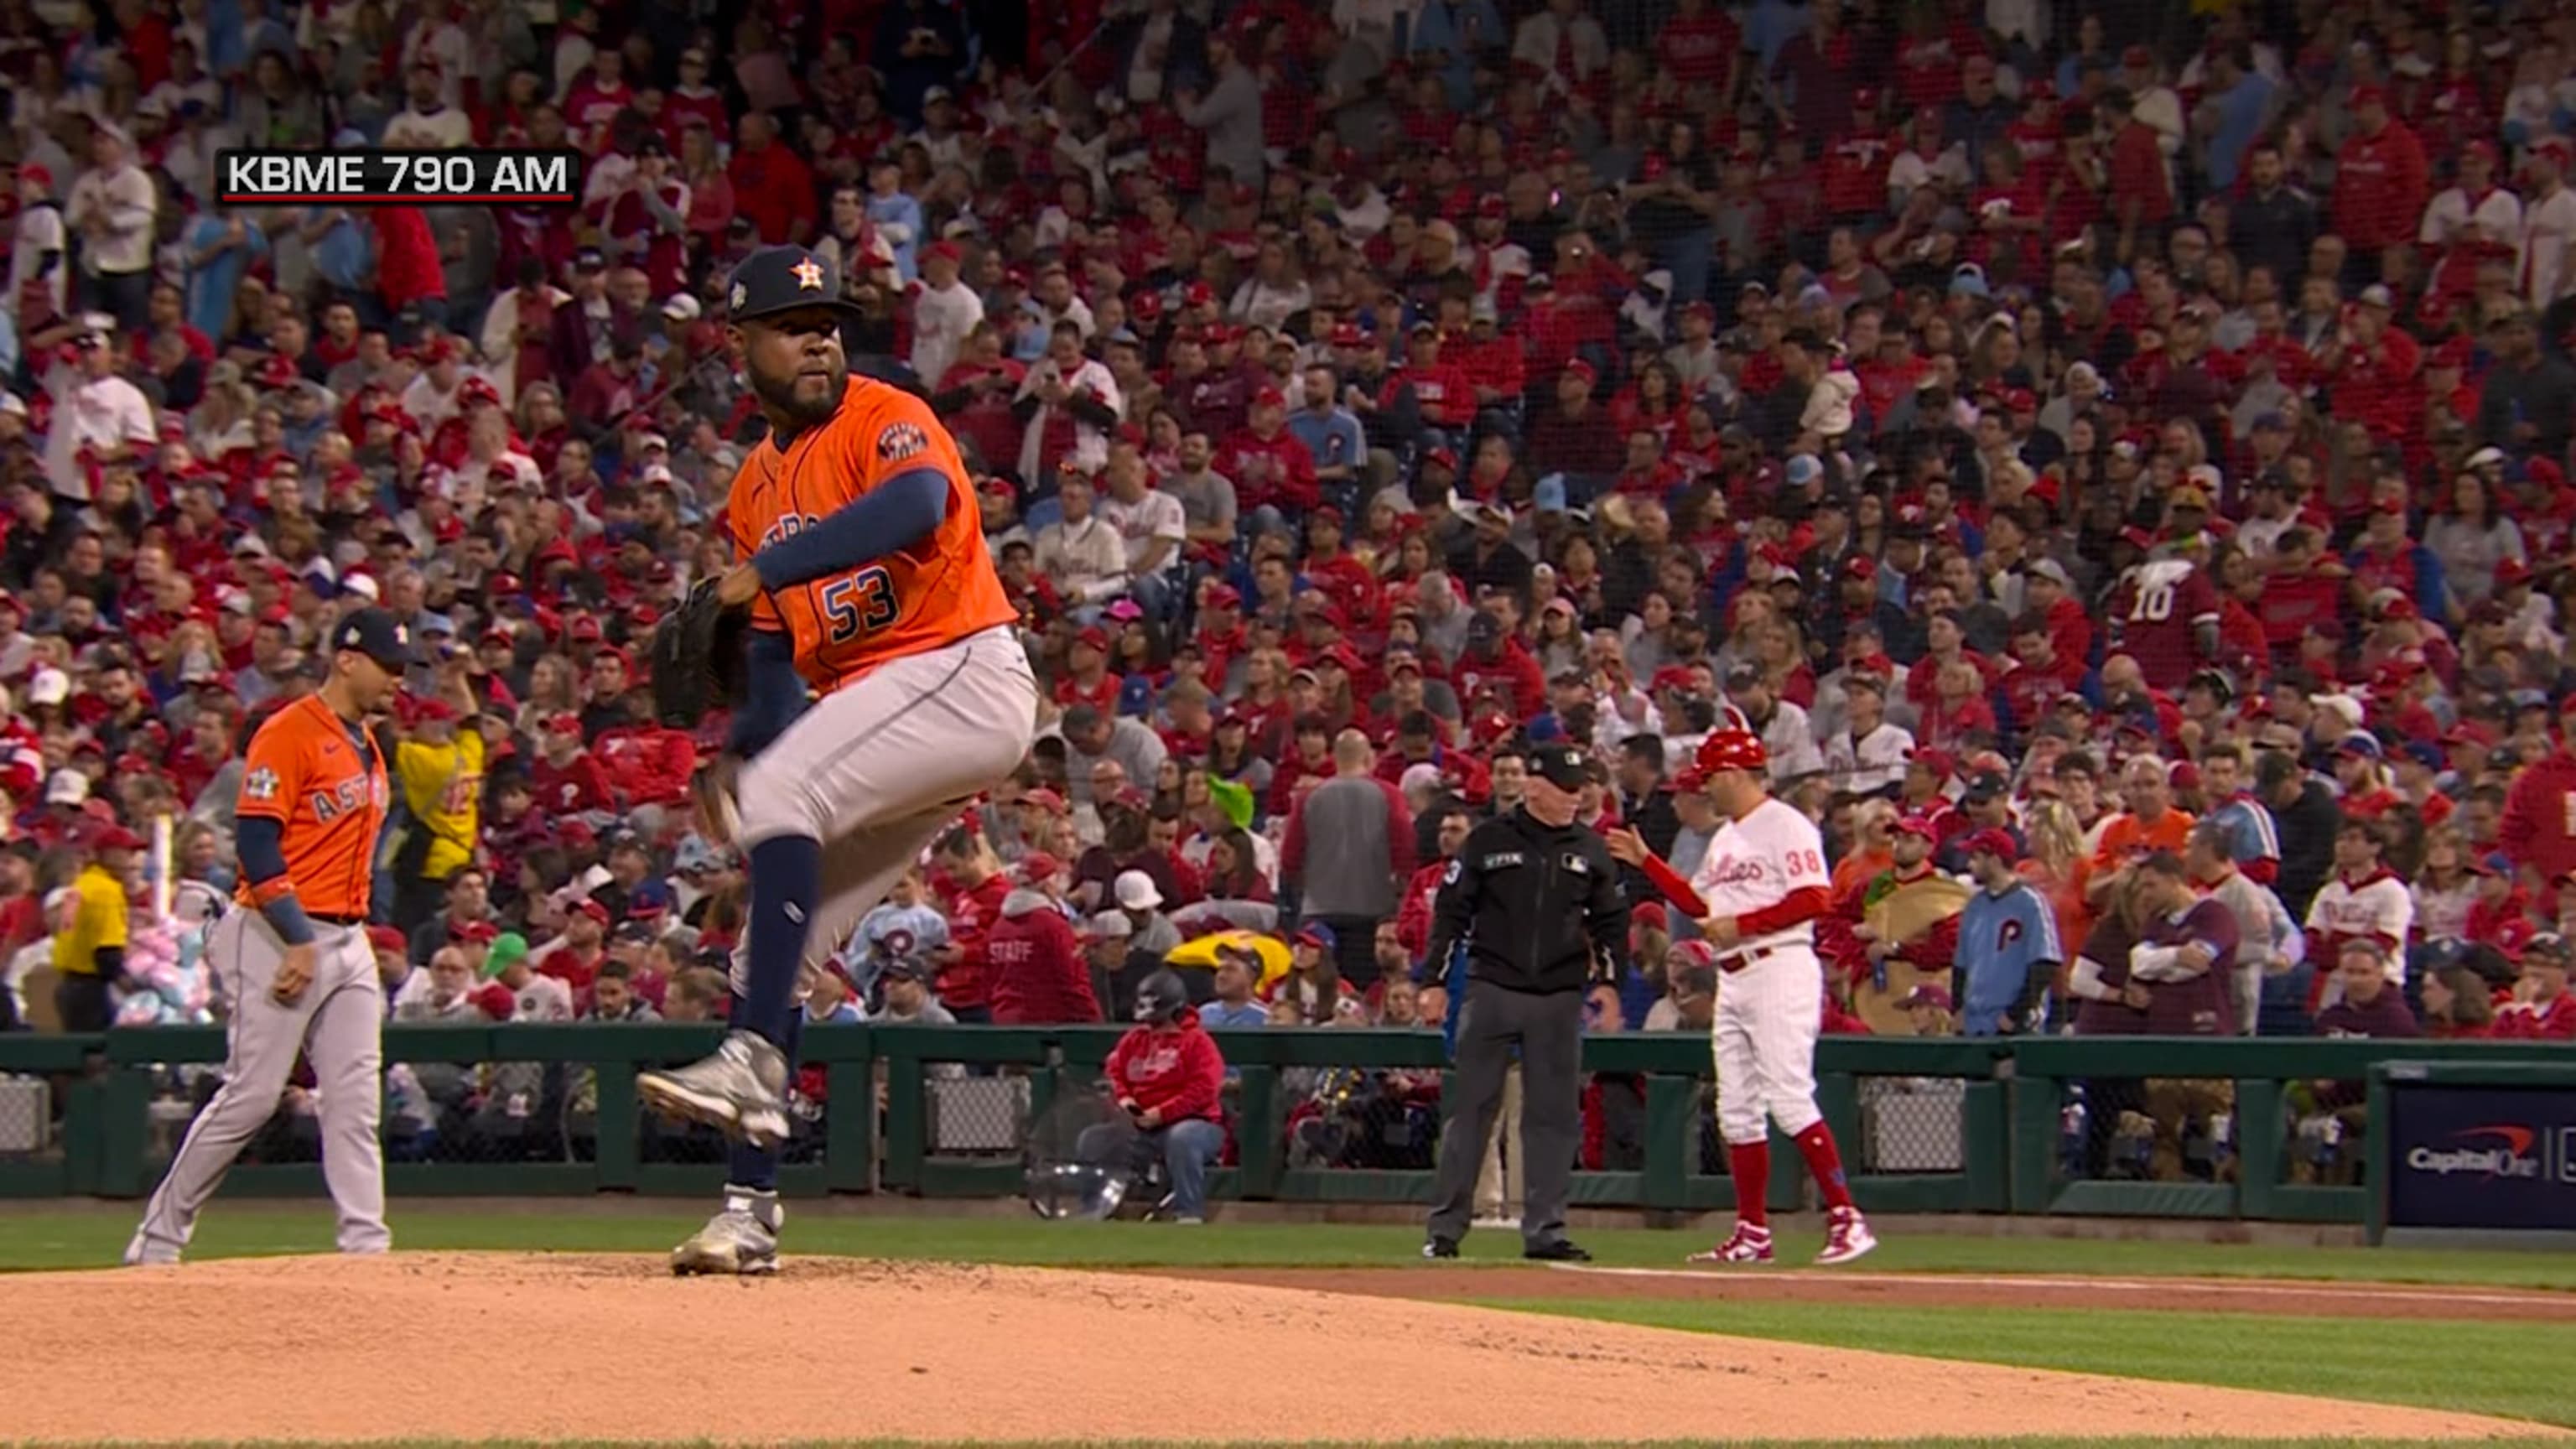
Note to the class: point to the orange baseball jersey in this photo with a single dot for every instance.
(933, 594)
(328, 794)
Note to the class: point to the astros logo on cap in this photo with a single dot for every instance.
(808, 274)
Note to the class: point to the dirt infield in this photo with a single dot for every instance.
(467, 1346)
(1918, 1290)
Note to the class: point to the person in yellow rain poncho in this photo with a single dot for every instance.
(1200, 953)
(439, 768)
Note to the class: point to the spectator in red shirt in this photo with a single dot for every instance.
(1574, 434)
(648, 764)
(1267, 465)
(2541, 1008)
(2539, 828)
(573, 958)
(965, 967)
(566, 779)
(2381, 182)
(772, 185)
(1040, 976)
(1169, 1077)
(2141, 189)
(609, 390)
(409, 277)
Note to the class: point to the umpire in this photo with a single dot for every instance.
(1534, 898)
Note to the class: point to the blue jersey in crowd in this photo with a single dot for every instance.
(2001, 938)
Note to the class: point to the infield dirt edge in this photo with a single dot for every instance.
(874, 1351)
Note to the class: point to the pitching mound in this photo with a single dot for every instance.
(474, 1346)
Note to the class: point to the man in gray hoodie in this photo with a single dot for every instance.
(1349, 841)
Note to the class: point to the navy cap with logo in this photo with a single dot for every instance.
(380, 636)
(782, 279)
(1559, 765)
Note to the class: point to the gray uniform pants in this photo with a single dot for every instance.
(1548, 1030)
(338, 1022)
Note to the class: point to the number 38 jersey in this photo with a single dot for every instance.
(1757, 861)
(935, 593)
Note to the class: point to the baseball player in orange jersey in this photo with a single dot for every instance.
(863, 562)
(1756, 896)
(297, 970)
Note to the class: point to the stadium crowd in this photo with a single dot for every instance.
(2120, 463)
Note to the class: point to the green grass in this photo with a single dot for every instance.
(2512, 1370)
(2035, 1442)
(88, 1237)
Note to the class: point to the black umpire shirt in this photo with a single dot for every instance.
(1538, 906)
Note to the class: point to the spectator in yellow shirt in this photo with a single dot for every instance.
(89, 953)
(439, 768)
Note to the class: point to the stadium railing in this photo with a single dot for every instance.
(1942, 1125)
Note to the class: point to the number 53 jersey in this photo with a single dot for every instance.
(1759, 861)
(935, 593)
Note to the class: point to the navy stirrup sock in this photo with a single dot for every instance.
(786, 875)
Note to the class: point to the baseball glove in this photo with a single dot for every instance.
(699, 658)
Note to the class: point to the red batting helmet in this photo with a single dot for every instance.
(1732, 750)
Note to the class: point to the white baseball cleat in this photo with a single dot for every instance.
(741, 1090)
(740, 1241)
(1749, 1243)
(1847, 1236)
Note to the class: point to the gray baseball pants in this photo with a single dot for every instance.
(339, 1023)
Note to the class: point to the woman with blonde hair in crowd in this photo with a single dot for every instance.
(2055, 863)
(2443, 889)
(553, 688)
(1780, 652)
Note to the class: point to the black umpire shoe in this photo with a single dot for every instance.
(1560, 1251)
(1440, 1248)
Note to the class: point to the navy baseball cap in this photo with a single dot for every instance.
(782, 279)
(380, 636)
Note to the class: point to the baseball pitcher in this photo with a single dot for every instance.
(1756, 896)
(298, 969)
(866, 579)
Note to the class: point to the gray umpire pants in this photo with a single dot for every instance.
(1548, 1032)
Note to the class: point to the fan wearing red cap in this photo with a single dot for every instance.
(89, 955)
(1756, 895)
(2382, 178)
(1928, 953)
(2008, 944)
(1040, 976)
(313, 801)
(566, 779)
(1087, 677)
(1270, 468)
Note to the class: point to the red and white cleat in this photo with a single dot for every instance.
(1847, 1236)
(1749, 1243)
